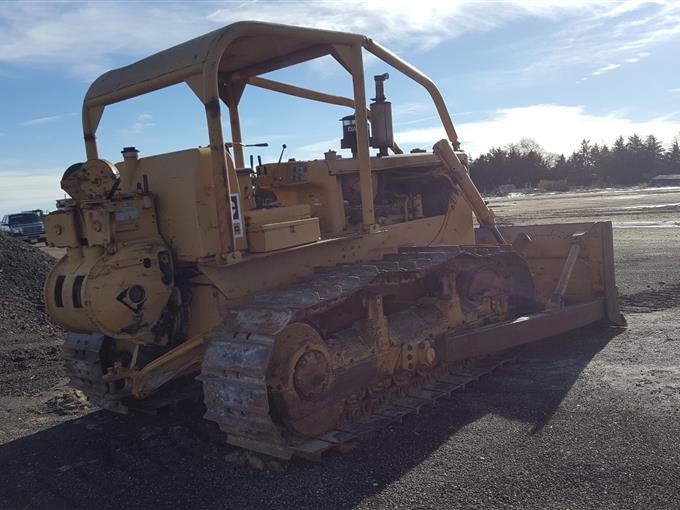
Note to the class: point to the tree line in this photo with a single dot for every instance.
(626, 162)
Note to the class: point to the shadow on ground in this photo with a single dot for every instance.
(109, 461)
(651, 300)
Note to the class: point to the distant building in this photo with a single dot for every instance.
(665, 180)
(553, 185)
(505, 189)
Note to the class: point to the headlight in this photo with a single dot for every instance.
(16, 230)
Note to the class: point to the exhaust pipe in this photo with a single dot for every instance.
(128, 170)
(382, 136)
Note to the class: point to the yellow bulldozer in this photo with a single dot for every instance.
(313, 301)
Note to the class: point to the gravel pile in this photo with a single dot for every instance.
(29, 342)
(23, 269)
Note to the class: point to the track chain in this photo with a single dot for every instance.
(82, 355)
(83, 363)
(234, 370)
(347, 436)
(235, 364)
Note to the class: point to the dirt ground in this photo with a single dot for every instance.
(588, 419)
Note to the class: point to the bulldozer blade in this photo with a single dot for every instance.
(546, 248)
(494, 338)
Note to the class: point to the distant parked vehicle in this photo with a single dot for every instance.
(27, 226)
(665, 180)
(553, 185)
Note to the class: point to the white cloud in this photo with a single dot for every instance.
(557, 128)
(605, 69)
(420, 120)
(611, 67)
(42, 120)
(677, 89)
(625, 6)
(71, 35)
(316, 149)
(616, 32)
(142, 122)
(35, 189)
(424, 26)
(640, 56)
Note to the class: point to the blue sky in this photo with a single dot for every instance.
(555, 71)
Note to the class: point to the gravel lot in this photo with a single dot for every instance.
(588, 419)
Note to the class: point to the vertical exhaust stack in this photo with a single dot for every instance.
(128, 170)
(381, 118)
(381, 133)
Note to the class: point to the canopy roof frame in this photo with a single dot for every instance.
(218, 65)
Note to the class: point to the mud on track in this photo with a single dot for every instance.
(587, 419)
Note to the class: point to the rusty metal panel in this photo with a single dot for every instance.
(545, 247)
(611, 292)
(497, 337)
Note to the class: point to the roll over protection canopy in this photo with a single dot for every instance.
(218, 65)
(229, 49)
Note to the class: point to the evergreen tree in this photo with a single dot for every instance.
(561, 168)
(671, 164)
(581, 171)
(653, 156)
(602, 164)
(525, 163)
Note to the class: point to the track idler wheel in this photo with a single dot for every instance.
(301, 382)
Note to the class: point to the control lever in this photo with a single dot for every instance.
(231, 144)
(283, 148)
